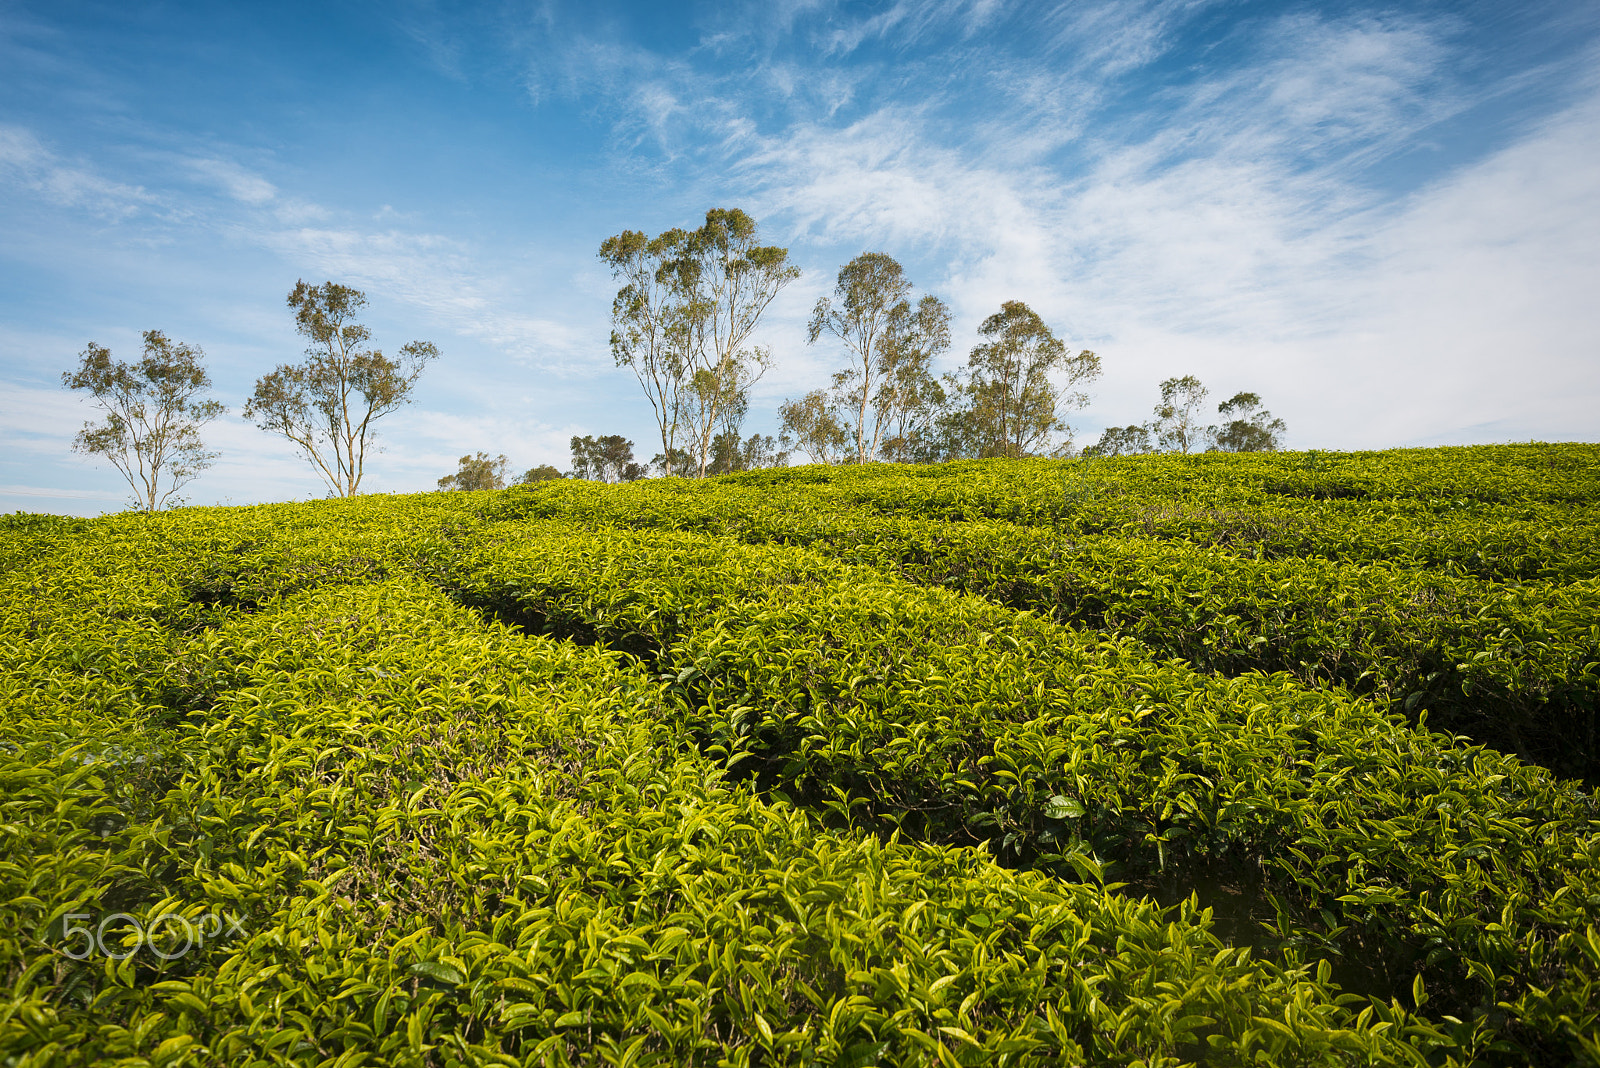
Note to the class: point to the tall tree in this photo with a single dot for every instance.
(1252, 428)
(153, 415)
(605, 459)
(910, 398)
(477, 472)
(813, 423)
(683, 320)
(887, 396)
(870, 297)
(654, 325)
(1177, 423)
(1019, 381)
(326, 406)
(723, 280)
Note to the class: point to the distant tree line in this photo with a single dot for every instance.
(683, 321)
(690, 300)
(886, 404)
(610, 459)
(1247, 426)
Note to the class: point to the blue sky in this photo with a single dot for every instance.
(1385, 218)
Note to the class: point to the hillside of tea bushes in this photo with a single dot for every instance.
(1277, 759)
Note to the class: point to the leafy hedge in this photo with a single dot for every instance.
(956, 721)
(445, 841)
(616, 775)
(1514, 664)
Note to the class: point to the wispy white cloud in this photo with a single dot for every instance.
(439, 277)
(1464, 312)
(904, 24)
(1479, 305)
(241, 184)
(1112, 38)
(25, 162)
(1241, 241)
(37, 422)
(1333, 92)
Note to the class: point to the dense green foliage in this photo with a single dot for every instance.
(1009, 762)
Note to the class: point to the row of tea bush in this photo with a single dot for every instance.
(803, 767)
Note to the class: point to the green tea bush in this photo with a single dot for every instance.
(442, 841)
(957, 721)
(821, 766)
(1514, 664)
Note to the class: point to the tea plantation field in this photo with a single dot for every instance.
(1253, 759)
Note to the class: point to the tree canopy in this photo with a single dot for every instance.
(326, 405)
(1177, 427)
(1252, 428)
(477, 472)
(813, 424)
(1019, 381)
(541, 473)
(730, 454)
(887, 390)
(1121, 441)
(652, 328)
(605, 459)
(153, 414)
(909, 397)
(684, 319)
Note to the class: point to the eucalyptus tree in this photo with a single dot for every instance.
(871, 294)
(153, 414)
(1251, 429)
(813, 424)
(1019, 381)
(910, 399)
(883, 400)
(477, 472)
(608, 458)
(684, 319)
(542, 473)
(326, 406)
(652, 329)
(730, 454)
(725, 280)
(1177, 427)
(1121, 441)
